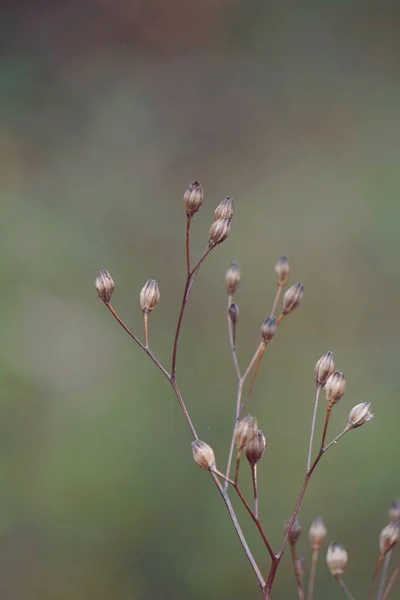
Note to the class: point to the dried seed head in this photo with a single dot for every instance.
(149, 296)
(360, 414)
(232, 278)
(282, 270)
(295, 531)
(335, 387)
(245, 430)
(255, 447)
(193, 198)
(219, 231)
(203, 454)
(336, 559)
(224, 209)
(268, 329)
(317, 533)
(389, 537)
(394, 511)
(234, 313)
(324, 368)
(104, 285)
(292, 297)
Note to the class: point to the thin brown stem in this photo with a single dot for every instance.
(344, 588)
(384, 573)
(238, 456)
(184, 410)
(255, 488)
(314, 417)
(279, 318)
(327, 417)
(238, 530)
(276, 299)
(374, 576)
(313, 570)
(392, 581)
(146, 331)
(253, 379)
(187, 247)
(232, 340)
(297, 575)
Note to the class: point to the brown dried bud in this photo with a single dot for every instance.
(104, 285)
(336, 559)
(149, 296)
(219, 231)
(324, 368)
(317, 533)
(282, 270)
(389, 537)
(360, 414)
(234, 313)
(294, 532)
(232, 278)
(292, 297)
(394, 511)
(268, 329)
(193, 198)
(245, 430)
(255, 447)
(224, 209)
(335, 387)
(203, 454)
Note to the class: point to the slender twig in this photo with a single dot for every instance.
(344, 588)
(187, 249)
(327, 417)
(337, 438)
(299, 582)
(313, 570)
(238, 456)
(253, 379)
(276, 299)
(255, 487)
(232, 340)
(384, 573)
(146, 331)
(314, 417)
(279, 318)
(374, 576)
(392, 581)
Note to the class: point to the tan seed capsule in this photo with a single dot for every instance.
(292, 297)
(149, 296)
(336, 559)
(317, 533)
(335, 387)
(232, 278)
(234, 313)
(104, 285)
(394, 511)
(268, 329)
(389, 537)
(193, 198)
(219, 231)
(360, 414)
(294, 532)
(203, 454)
(324, 369)
(255, 447)
(224, 209)
(245, 430)
(282, 270)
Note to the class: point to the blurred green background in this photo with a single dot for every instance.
(108, 110)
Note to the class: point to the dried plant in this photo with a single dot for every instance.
(246, 438)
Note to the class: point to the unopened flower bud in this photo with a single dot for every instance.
(389, 537)
(224, 209)
(232, 278)
(255, 447)
(317, 533)
(282, 270)
(336, 559)
(203, 454)
(149, 296)
(234, 313)
(394, 511)
(245, 430)
(360, 414)
(219, 231)
(324, 369)
(292, 297)
(335, 387)
(104, 285)
(193, 198)
(268, 329)
(294, 532)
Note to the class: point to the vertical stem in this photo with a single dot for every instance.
(314, 417)
(187, 246)
(392, 581)
(278, 293)
(232, 340)
(344, 588)
(313, 571)
(238, 455)
(255, 488)
(146, 332)
(299, 583)
(384, 574)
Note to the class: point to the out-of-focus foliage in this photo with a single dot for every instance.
(108, 110)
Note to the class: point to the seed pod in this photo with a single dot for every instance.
(294, 532)
(324, 369)
(255, 447)
(394, 511)
(193, 198)
(292, 297)
(149, 296)
(104, 285)
(203, 454)
(389, 537)
(234, 313)
(224, 209)
(219, 231)
(268, 329)
(317, 533)
(245, 430)
(232, 278)
(336, 559)
(360, 414)
(282, 270)
(335, 387)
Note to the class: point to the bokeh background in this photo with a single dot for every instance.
(108, 110)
